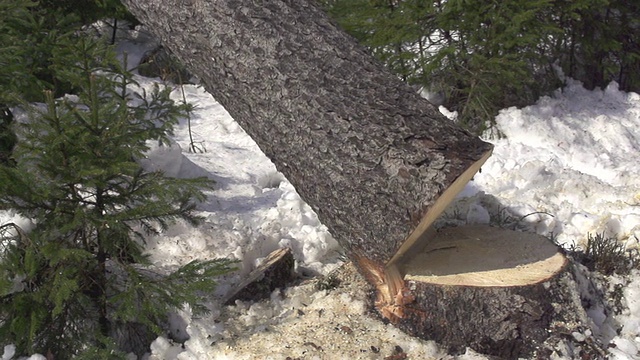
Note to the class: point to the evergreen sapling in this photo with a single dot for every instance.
(81, 271)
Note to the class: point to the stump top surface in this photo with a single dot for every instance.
(479, 255)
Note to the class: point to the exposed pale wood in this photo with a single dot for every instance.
(416, 240)
(421, 235)
(374, 160)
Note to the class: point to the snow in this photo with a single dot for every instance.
(574, 157)
(564, 167)
(253, 210)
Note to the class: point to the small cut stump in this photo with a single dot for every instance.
(274, 272)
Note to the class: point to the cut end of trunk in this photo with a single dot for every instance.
(420, 235)
(491, 289)
(391, 283)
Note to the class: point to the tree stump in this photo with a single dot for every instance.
(374, 160)
(497, 291)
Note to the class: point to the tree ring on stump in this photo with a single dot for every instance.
(480, 255)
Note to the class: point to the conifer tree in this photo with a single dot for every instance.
(88, 11)
(483, 56)
(68, 282)
(13, 16)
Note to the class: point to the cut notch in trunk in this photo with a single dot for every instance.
(423, 233)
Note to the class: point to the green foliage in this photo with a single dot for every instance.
(14, 21)
(27, 40)
(107, 350)
(483, 56)
(67, 283)
(29, 34)
(87, 11)
(601, 42)
(7, 137)
(14, 15)
(606, 255)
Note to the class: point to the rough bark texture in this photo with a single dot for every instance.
(367, 153)
(509, 322)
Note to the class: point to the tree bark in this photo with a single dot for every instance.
(374, 160)
(364, 150)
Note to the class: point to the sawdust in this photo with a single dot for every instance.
(303, 322)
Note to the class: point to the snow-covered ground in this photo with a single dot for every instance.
(564, 167)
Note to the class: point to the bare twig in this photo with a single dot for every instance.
(22, 235)
(533, 213)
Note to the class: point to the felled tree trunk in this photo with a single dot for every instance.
(365, 151)
(374, 160)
